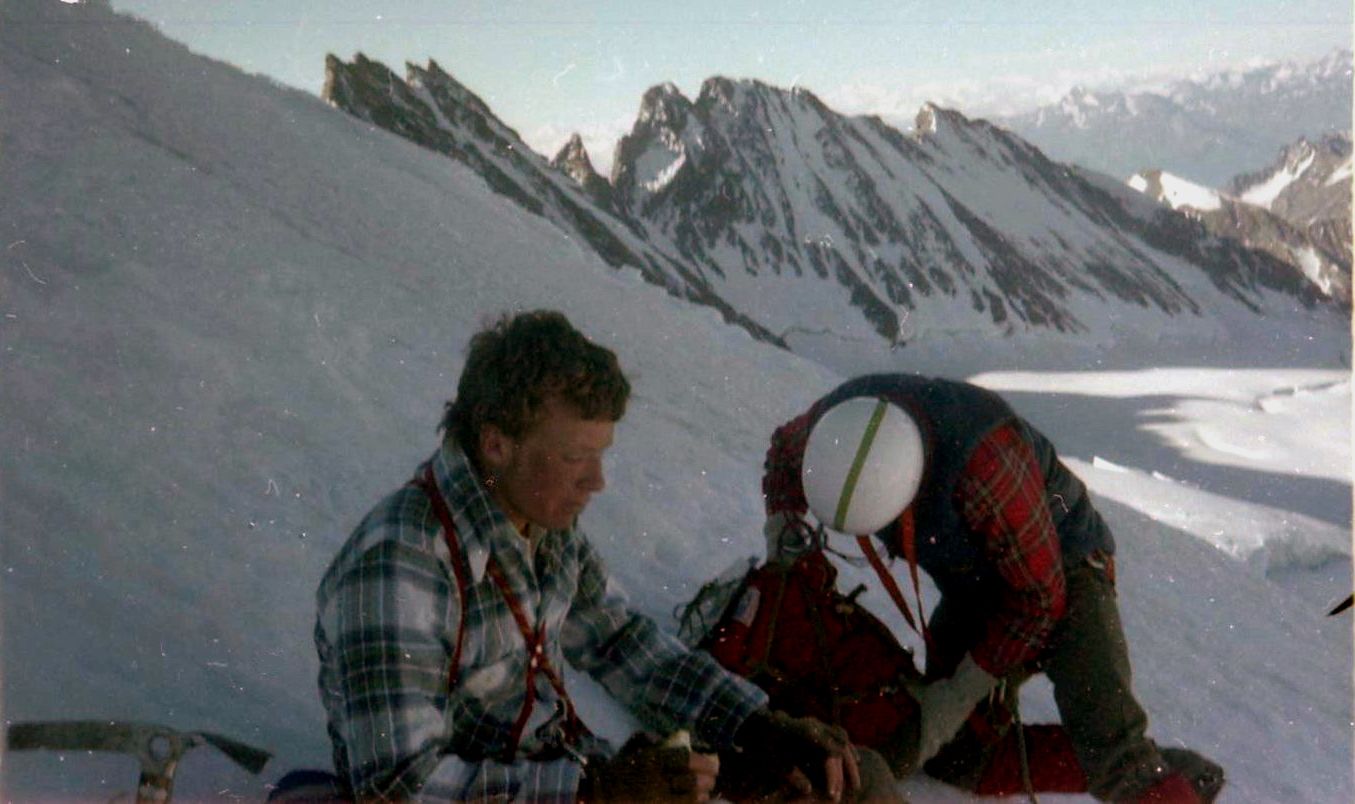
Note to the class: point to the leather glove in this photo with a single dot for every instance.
(645, 771)
(946, 703)
(775, 754)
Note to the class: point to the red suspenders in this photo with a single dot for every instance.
(908, 541)
(537, 659)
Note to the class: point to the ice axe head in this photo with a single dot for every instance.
(157, 748)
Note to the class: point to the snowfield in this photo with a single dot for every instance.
(230, 315)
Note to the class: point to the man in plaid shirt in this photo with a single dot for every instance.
(446, 616)
(1025, 568)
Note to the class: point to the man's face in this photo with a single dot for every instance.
(547, 475)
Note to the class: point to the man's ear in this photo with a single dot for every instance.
(496, 449)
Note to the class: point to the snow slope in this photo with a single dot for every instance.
(229, 316)
(1264, 194)
(1176, 191)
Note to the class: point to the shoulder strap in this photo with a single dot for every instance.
(430, 487)
(535, 641)
(909, 544)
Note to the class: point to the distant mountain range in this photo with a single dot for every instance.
(792, 219)
(1207, 130)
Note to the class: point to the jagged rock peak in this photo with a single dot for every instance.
(360, 62)
(664, 105)
(726, 90)
(332, 68)
(573, 150)
(1336, 143)
(1323, 157)
(719, 90)
(573, 159)
(733, 93)
(340, 76)
(925, 121)
(434, 77)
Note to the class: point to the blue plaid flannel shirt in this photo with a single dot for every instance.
(387, 628)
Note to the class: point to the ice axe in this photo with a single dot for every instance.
(1342, 606)
(157, 748)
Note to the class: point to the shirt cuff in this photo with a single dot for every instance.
(734, 701)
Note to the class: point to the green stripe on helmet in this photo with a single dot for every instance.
(863, 449)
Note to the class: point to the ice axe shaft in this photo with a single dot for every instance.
(157, 748)
(1342, 606)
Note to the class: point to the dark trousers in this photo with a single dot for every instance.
(1087, 662)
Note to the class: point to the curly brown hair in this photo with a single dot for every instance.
(517, 363)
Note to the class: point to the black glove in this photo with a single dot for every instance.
(643, 771)
(776, 755)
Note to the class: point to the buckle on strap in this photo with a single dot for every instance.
(1103, 562)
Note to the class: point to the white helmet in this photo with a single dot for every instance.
(862, 465)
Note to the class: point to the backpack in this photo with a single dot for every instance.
(815, 651)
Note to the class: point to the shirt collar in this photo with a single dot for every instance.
(481, 526)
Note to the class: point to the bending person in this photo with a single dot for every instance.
(1025, 567)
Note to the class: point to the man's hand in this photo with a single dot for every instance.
(790, 757)
(647, 771)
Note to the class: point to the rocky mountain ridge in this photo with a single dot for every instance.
(960, 220)
(1308, 182)
(1297, 209)
(431, 108)
(794, 219)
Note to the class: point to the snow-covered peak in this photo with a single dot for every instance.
(666, 137)
(1340, 174)
(1076, 104)
(1266, 79)
(1289, 211)
(730, 95)
(1340, 63)
(1264, 193)
(1207, 129)
(1309, 181)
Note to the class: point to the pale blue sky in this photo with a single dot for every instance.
(548, 68)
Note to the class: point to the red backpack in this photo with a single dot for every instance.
(814, 650)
